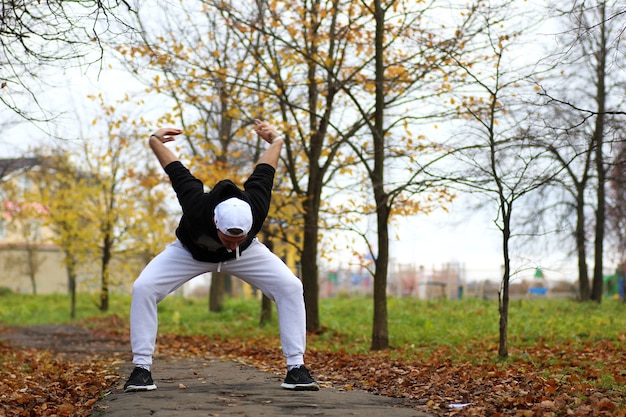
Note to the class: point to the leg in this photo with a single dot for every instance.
(259, 267)
(164, 274)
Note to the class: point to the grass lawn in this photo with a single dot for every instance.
(468, 327)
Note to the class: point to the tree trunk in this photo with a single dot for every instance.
(581, 246)
(598, 271)
(71, 284)
(266, 303)
(216, 292)
(266, 310)
(32, 266)
(380, 330)
(309, 263)
(380, 333)
(104, 275)
(503, 296)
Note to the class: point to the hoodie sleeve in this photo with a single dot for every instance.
(258, 187)
(189, 190)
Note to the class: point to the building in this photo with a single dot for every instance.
(26, 246)
(31, 261)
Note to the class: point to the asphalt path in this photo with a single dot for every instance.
(201, 387)
(204, 386)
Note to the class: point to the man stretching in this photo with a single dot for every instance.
(217, 232)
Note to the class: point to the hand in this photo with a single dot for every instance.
(267, 132)
(165, 134)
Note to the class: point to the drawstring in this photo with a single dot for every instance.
(237, 254)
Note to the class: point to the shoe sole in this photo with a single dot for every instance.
(136, 388)
(301, 387)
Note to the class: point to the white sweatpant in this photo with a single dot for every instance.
(257, 266)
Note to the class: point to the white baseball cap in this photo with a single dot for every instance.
(233, 217)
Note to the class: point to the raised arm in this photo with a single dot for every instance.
(269, 134)
(162, 152)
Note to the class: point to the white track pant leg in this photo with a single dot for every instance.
(262, 269)
(165, 273)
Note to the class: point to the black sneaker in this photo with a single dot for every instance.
(140, 380)
(299, 379)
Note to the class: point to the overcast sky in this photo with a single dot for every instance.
(464, 236)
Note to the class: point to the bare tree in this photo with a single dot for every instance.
(567, 196)
(591, 100)
(36, 36)
(495, 156)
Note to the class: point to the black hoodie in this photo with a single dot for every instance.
(196, 230)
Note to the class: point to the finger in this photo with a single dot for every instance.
(169, 131)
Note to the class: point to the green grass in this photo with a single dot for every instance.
(414, 325)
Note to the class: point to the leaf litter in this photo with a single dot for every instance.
(581, 380)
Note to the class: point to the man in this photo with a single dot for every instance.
(217, 233)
